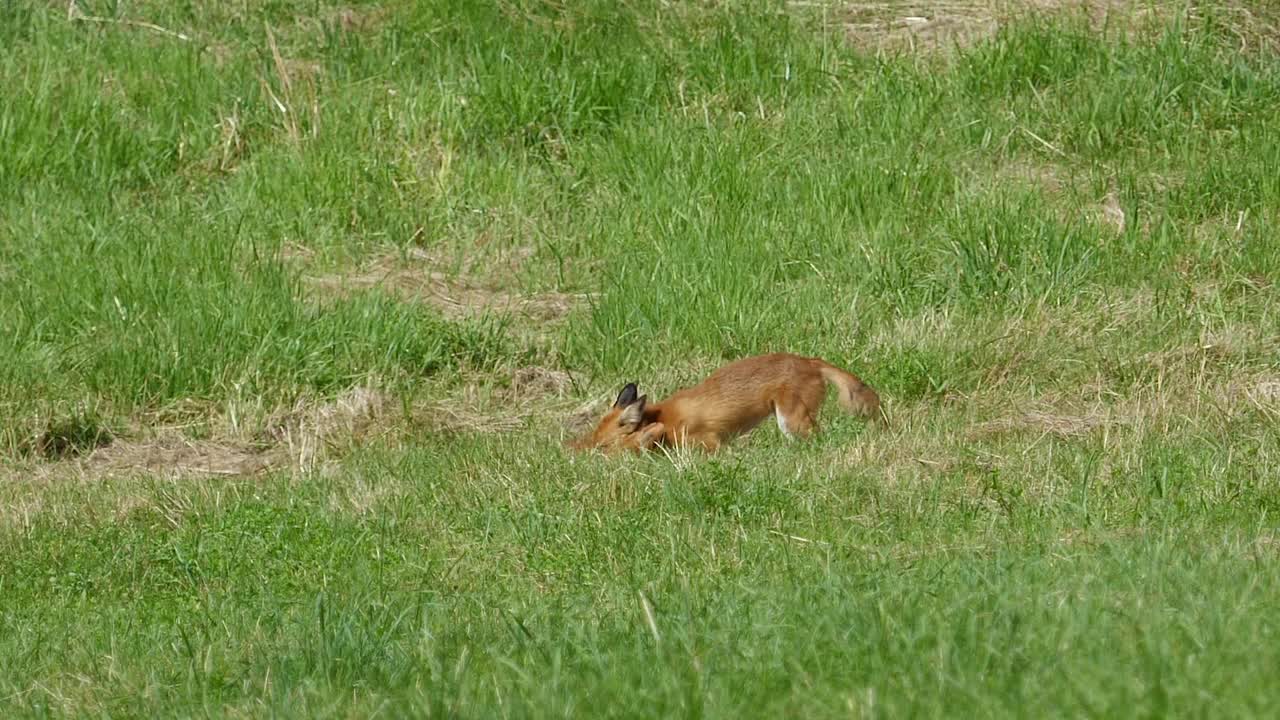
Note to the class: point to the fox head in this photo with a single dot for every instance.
(623, 426)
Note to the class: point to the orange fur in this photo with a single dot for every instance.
(732, 401)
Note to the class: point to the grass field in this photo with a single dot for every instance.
(298, 301)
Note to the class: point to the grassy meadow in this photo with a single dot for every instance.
(298, 300)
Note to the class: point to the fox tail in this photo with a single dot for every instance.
(855, 396)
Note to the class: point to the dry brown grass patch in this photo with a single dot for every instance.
(539, 382)
(356, 19)
(914, 27)
(532, 394)
(1048, 177)
(418, 276)
(450, 416)
(167, 456)
(309, 435)
(939, 25)
(935, 26)
(1070, 192)
(1042, 422)
(306, 432)
(920, 441)
(1091, 538)
(1255, 24)
(160, 444)
(1260, 394)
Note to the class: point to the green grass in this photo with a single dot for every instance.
(1071, 513)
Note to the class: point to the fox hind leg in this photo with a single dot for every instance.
(795, 419)
(797, 408)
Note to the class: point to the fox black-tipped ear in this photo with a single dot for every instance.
(627, 396)
(633, 414)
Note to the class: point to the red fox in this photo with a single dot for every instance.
(732, 401)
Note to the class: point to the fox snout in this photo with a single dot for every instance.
(623, 427)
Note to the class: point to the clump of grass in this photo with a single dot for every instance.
(72, 434)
